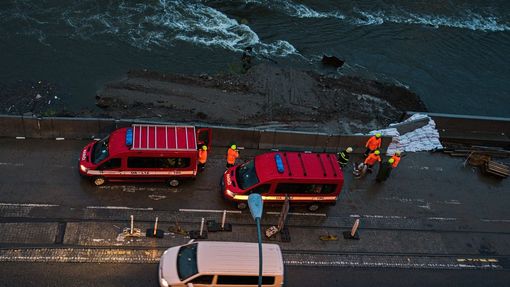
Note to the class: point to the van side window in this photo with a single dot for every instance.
(204, 279)
(328, 188)
(261, 189)
(301, 188)
(158, 162)
(244, 280)
(111, 164)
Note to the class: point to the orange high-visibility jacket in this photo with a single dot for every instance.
(202, 156)
(372, 158)
(373, 143)
(397, 160)
(231, 156)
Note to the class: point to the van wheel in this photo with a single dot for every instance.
(242, 205)
(174, 182)
(98, 181)
(313, 207)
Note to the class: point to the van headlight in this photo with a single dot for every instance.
(163, 282)
(83, 168)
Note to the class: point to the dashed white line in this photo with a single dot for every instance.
(378, 216)
(120, 207)
(452, 201)
(442, 218)
(209, 210)
(298, 213)
(496, 220)
(28, 204)
(11, 164)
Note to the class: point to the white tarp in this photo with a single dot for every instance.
(421, 139)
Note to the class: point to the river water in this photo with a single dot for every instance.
(454, 54)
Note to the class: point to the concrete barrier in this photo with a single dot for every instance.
(224, 136)
(86, 128)
(33, 127)
(12, 126)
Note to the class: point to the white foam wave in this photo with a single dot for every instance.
(148, 25)
(469, 20)
(464, 20)
(278, 48)
(303, 11)
(294, 9)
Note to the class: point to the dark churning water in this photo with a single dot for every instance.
(454, 54)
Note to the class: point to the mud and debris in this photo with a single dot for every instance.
(41, 98)
(265, 96)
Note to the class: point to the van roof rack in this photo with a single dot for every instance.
(163, 137)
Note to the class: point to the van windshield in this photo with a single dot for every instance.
(100, 150)
(246, 176)
(187, 261)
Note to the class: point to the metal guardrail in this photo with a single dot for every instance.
(475, 130)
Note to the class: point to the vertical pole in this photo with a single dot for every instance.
(201, 226)
(355, 227)
(156, 226)
(260, 250)
(223, 219)
(132, 224)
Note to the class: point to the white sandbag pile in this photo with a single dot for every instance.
(417, 133)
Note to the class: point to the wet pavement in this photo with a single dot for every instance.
(433, 213)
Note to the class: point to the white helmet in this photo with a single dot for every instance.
(348, 150)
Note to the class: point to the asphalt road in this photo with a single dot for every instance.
(428, 197)
(424, 185)
(137, 275)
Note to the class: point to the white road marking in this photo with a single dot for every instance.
(209, 210)
(11, 164)
(59, 139)
(451, 201)
(378, 216)
(391, 264)
(20, 138)
(28, 204)
(298, 213)
(405, 200)
(440, 169)
(495, 220)
(442, 218)
(120, 207)
(156, 197)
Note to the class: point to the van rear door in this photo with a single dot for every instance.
(204, 137)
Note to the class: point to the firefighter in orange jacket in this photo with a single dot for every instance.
(232, 155)
(373, 143)
(396, 159)
(202, 158)
(372, 159)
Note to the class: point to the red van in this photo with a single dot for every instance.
(310, 178)
(145, 153)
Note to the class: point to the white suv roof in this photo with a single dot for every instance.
(238, 258)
